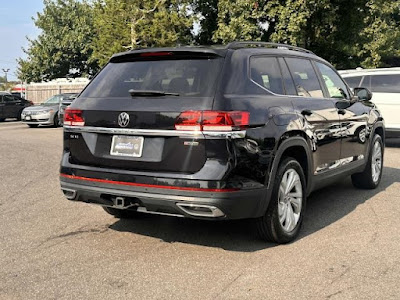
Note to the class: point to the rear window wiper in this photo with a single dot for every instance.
(148, 93)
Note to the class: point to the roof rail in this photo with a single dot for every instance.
(238, 45)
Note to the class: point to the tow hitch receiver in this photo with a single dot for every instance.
(119, 202)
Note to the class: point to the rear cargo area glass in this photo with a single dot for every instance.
(185, 77)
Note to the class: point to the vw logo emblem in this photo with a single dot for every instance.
(123, 119)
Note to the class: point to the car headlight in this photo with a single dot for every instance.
(43, 112)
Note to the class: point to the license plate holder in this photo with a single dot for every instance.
(126, 145)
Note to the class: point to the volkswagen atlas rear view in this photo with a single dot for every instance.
(246, 130)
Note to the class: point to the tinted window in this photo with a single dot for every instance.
(187, 77)
(334, 84)
(385, 83)
(53, 100)
(287, 78)
(353, 81)
(8, 98)
(304, 77)
(265, 71)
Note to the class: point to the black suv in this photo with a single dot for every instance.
(242, 131)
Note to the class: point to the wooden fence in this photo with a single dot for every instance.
(40, 93)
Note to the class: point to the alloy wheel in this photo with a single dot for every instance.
(290, 200)
(376, 161)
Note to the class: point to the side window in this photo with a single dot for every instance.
(265, 71)
(335, 85)
(287, 78)
(8, 98)
(305, 78)
(353, 81)
(385, 83)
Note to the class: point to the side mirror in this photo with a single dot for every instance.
(343, 104)
(363, 93)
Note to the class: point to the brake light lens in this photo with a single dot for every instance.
(211, 120)
(73, 117)
(150, 54)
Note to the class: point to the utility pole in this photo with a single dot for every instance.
(5, 72)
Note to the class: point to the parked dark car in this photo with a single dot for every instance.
(248, 130)
(66, 101)
(11, 106)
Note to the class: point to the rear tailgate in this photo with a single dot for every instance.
(137, 132)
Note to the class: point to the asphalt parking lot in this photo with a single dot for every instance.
(51, 248)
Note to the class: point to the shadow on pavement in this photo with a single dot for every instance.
(324, 207)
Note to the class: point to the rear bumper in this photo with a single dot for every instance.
(198, 204)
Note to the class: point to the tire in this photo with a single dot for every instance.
(372, 174)
(273, 228)
(121, 213)
(55, 121)
(33, 125)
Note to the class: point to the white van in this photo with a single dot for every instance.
(384, 83)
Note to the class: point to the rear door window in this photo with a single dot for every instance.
(188, 77)
(8, 98)
(287, 78)
(385, 83)
(265, 72)
(353, 81)
(334, 84)
(305, 78)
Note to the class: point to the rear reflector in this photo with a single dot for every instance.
(73, 117)
(211, 120)
(167, 187)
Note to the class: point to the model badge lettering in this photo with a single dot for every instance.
(188, 143)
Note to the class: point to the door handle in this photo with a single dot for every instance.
(341, 112)
(306, 112)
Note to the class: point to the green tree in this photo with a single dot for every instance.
(207, 12)
(381, 33)
(346, 33)
(122, 25)
(241, 20)
(64, 45)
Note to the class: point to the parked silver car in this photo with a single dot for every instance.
(45, 113)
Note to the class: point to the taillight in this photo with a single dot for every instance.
(210, 120)
(73, 117)
(149, 54)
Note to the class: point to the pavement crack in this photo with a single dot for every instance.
(334, 294)
(228, 285)
(67, 235)
(346, 270)
(76, 233)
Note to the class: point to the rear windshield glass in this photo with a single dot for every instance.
(186, 77)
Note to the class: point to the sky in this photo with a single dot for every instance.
(15, 25)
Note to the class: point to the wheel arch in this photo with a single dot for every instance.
(296, 145)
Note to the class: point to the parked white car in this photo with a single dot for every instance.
(384, 83)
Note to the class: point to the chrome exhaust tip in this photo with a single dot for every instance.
(69, 194)
(199, 210)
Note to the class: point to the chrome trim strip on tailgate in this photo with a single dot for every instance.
(155, 132)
